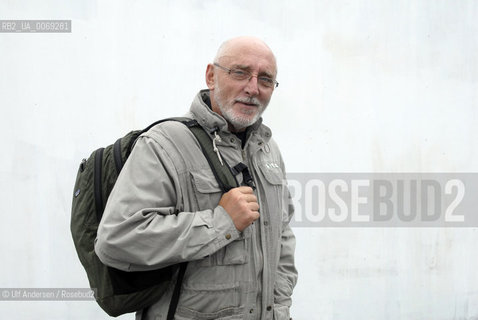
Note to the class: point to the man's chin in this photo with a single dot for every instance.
(242, 123)
(241, 117)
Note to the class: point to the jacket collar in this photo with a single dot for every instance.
(212, 121)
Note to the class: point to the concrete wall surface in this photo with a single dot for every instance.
(365, 86)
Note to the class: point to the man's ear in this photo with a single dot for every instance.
(210, 76)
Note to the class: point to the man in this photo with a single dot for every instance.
(166, 206)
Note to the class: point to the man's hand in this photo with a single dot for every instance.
(241, 204)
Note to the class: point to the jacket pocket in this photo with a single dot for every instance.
(233, 313)
(234, 253)
(215, 294)
(206, 189)
(273, 179)
(272, 173)
(275, 195)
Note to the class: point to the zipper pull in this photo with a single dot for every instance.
(216, 150)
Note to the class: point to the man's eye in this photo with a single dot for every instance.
(266, 80)
(239, 74)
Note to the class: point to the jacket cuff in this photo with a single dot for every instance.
(224, 226)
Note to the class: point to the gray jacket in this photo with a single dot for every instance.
(231, 274)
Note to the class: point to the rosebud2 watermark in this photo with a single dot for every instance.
(384, 199)
(47, 294)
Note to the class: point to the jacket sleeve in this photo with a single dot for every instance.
(141, 228)
(286, 276)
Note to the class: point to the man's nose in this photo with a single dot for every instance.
(252, 87)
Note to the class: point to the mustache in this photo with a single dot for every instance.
(250, 100)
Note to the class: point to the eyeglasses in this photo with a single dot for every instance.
(239, 74)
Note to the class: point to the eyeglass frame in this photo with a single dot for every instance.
(275, 84)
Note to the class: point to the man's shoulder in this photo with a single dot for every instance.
(169, 128)
(170, 136)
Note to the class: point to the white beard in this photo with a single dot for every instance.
(239, 119)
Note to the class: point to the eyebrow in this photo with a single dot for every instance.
(248, 68)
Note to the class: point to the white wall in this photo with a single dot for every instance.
(365, 86)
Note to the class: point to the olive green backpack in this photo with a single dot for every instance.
(118, 292)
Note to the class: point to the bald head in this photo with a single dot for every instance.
(244, 45)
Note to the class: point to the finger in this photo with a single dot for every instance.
(245, 189)
(255, 215)
(250, 198)
(253, 206)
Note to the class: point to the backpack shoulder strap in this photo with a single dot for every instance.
(223, 174)
(222, 171)
(140, 132)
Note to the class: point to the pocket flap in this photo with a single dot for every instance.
(272, 172)
(205, 181)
